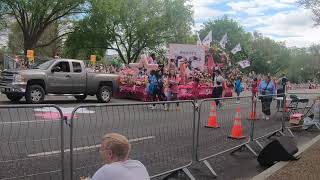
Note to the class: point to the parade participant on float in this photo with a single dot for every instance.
(266, 90)
(238, 88)
(152, 59)
(183, 71)
(172, 68)
(217, 87)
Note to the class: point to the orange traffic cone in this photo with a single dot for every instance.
(237, 131)
(212, 119)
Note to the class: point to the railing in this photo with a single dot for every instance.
(43, 142)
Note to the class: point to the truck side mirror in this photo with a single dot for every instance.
(56, 69)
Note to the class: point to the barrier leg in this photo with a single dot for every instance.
(188, 173)
(245, 146)
(259, 144)
(290, 132)
(210, 168)
(276, 134)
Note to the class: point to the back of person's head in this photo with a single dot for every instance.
(153, 56)
(118, 145)
(218, 72)
(152, 72)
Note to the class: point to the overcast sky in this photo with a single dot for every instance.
(282, 20)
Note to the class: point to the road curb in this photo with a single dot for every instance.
(273, 169)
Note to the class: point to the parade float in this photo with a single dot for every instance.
(201, 64)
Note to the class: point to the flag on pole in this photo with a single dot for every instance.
(199, 43)
(244, 64)
(236, 49)
(224, 41)
(207, 40)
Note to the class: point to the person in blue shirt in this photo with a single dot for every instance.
(238, 88)
(267, 91)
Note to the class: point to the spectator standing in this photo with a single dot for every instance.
(114, 151)
(266, 90)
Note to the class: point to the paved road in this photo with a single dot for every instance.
(31, 137)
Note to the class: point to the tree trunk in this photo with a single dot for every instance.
(28, 45)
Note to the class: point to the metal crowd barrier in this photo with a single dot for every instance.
(211, 142)
(161, 140)
(38, 142)
(262, 128)
(31, 142)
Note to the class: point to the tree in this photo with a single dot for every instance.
(35, 16)
(236, 34)
(314, 6)
(15, 42)
(130, 26)
(269, 56)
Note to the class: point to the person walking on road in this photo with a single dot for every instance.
(217, 87)
(266, 91)
(238, 88)
(114, 151)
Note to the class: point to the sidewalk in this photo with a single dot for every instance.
(307, 168)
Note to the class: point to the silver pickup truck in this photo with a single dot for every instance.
(57, 77)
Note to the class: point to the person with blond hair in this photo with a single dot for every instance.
(114, 152)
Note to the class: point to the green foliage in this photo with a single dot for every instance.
(268, 56)
(15, 42)
(236, 34)
(35, 16)
(130, 26)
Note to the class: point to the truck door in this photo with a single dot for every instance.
(79, 78)
(60, 82)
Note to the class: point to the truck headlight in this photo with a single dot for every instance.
(18, 78)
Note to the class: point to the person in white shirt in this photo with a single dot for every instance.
(114, 151)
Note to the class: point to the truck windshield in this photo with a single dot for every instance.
(43, 66)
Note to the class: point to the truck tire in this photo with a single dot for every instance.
(104, 94)
(80, 98)
(14, 97)
(35, 94)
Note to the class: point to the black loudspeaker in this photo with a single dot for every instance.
(281, 149)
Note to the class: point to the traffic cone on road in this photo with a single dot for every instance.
(212, 119)
(237, 131)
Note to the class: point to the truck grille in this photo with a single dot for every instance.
(6, 77)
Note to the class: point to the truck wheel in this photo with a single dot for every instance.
(104, 94)
(80, 98)
(35, 94)
(14, 97)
